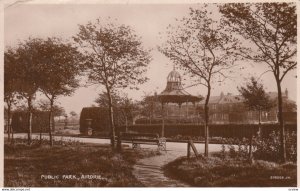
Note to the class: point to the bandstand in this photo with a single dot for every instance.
(175, 93)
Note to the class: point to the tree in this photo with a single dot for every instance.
(73, 113)
(115, 59)
(201, 47)
(121, 103)
(10, 88)
(59, 65)
(57, 110)
(269, 31)
(256, 99)
(103, 101)
(149, 106)
(28, 76)
(128, 109)
(289, 106)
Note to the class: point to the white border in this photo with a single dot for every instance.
(6, 3)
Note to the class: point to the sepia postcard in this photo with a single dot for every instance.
(149, 94)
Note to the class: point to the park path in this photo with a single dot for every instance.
(149, 171)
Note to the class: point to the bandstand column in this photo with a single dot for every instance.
(195, 112)
(179, 104)
(187, 109)
(163, 120)
(167, 110)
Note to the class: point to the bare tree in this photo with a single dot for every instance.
(115, 58)
(269, 32)
(200, 46)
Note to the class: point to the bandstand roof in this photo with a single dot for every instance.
(174, 92)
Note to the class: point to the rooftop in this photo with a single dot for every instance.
(230, 98)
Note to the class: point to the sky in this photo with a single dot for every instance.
(22, 21)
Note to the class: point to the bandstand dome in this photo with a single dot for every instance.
(174, 92)
(174, 76)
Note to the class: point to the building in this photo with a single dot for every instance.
(229, 108)
(176, 101)
(182, 107)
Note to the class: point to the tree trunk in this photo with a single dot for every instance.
(259, 123)
(281, 125)
(53, 122)
(12, 135)
(8, 121)
(41, 129)
(50, 122)
(126, 123)
(206, 116)
(40, 134)
(29, 126)
(250, 149)
(111, 119)
(11, 131)
(151, 112)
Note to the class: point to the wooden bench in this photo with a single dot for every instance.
(143, 138)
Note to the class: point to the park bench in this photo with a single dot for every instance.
(143, 138)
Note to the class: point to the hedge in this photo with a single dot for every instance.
(40, 119)
(222, 130)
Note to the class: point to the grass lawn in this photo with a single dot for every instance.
(45, 166)
(217, 172)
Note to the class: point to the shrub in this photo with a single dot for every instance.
(269, 148)
(232, 152)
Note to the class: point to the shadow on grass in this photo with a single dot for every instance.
(27, 166)
(217, 172)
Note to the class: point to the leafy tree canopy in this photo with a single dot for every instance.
(114, 54)
(255, 96)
